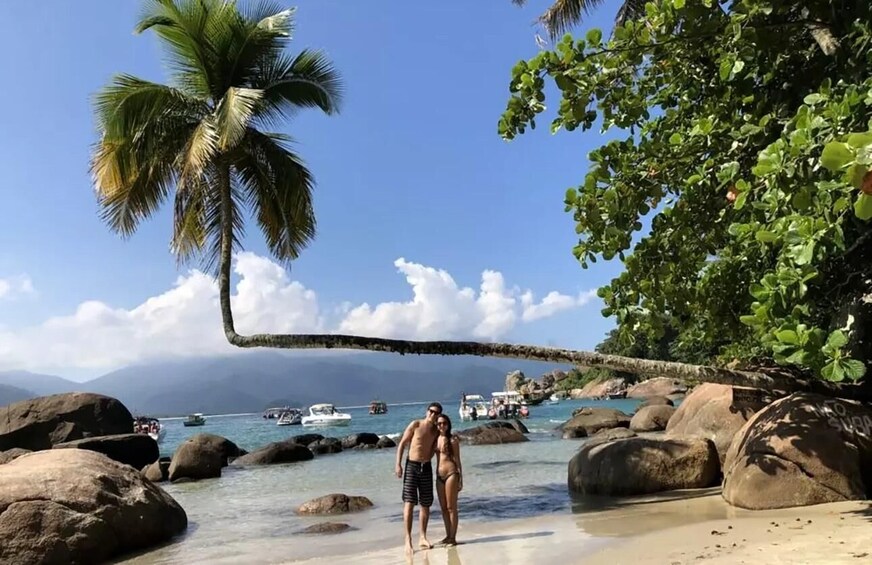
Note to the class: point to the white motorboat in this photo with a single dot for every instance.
(473, 401)
(553, 399)
(509, 404)
(291, 417)
(150, 426)
(325, 415)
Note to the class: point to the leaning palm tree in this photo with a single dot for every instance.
(201, 140)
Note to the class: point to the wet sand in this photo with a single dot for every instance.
(674, 528)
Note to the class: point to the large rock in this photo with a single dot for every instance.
(513, 424)
(358, 440)
(278, 452)
(385, 442)
(306, 439)
(639, 465)
(325, 446)
(605, 436)
(136, 450)
(228, 450)
(595, 418)
(198, 457)
(651, 418)
(335, 504)
(158, 471)
(515, 380)
(12, 454)
(655, 401)
(599, 389)
(659, 386)
(801, 450)
(326, 528)
(39, 423)
(78, 506)
(489, 434)
(711, 411)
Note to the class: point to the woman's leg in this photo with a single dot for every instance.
(451, 488)
(443, 505)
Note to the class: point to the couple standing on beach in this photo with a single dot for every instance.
(426, 437)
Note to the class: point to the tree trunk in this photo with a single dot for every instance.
(683, 371)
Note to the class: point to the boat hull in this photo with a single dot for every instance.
(193, 424)
(316, 421)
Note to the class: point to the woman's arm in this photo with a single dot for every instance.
(455, 445)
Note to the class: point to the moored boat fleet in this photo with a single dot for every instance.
(502, 405)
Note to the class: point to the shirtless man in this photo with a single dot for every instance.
(420, 436)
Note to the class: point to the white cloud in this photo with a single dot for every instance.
(13, 287)
(553, 303)
(185, 320)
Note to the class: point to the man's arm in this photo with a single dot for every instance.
(401, 447)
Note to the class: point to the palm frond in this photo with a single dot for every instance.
(630, 10)
(279, 187)
(234, 113)
(183, 27)
(189, 219)
(143, 128)
(262, 34)
(564, 14)
(308, 80)
(200, 149)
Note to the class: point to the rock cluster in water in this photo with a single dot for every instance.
(799, 450)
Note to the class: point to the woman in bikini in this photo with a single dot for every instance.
(449, 476)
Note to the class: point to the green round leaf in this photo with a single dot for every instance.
(836, 155)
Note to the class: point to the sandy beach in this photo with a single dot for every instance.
(674, 529)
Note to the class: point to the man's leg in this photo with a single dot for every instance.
(424, 543)
(408, 512)
(425, 488)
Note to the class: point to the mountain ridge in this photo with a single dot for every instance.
(251, 381)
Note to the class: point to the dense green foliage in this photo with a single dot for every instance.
(742, 137)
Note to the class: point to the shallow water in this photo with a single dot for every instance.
(249, 513)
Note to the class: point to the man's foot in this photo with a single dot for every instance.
(423, 543)
(450, 542)
(444, 540)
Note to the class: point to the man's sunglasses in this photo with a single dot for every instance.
(433, 411)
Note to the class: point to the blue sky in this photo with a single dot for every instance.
(412, 168)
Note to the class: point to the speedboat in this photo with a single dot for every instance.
(509, 404)
(325, 415)
(195, 420)
(377, 407)
(291, 417)
(553, 399)
(473, 401)
(150, 426)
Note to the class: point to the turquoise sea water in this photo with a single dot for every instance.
(248, 514)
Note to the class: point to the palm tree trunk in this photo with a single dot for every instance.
(683, 371)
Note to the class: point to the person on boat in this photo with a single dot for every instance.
(473, 413)
(420, 436)
(449, 476)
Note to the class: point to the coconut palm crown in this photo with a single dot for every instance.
(202, 140)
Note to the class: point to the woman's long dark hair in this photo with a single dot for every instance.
(447, 421)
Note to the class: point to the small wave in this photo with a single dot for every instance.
(553, 421)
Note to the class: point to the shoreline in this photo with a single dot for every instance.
(674, 528)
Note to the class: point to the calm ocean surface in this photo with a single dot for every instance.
(249, 513)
